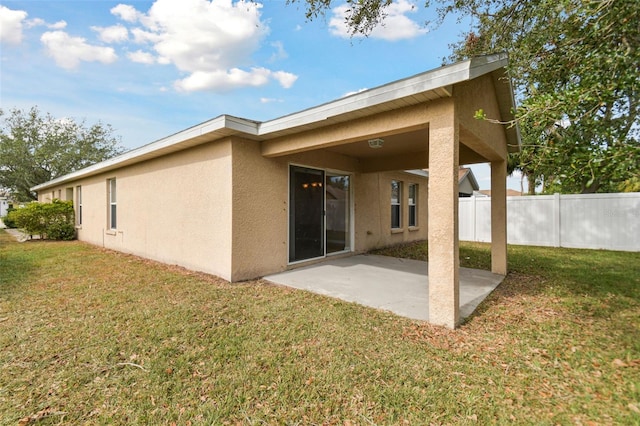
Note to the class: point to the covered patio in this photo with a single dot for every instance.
(397, 285)
(429, 121)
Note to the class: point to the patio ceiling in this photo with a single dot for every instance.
(410, 147)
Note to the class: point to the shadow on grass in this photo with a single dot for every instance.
(600, 281)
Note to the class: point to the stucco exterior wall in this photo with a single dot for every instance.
(373, 210)
(261, 212)
(175, 209)
(222, 208)
(260, 205)
(487, 138)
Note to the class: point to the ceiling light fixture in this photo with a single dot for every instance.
(376, 143)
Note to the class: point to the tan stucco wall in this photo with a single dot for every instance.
(224, 214)
(485, 137)
(261, 214)
(373, 210)
(174, 209)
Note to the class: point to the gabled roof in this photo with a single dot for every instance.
(466, 173)
(420, 88)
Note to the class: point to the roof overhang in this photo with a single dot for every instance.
(421, 88)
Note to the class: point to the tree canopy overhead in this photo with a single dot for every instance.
(36, 148)
(575, 65)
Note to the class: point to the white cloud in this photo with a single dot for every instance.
(286, 79)
(142, 57)
(269, 100)
(226, 80)
(141, 36)
(211, 41)
(113, 34)
(35, 22)
(69, 51)
(60, 25)
(279, 53)
(125, 12)
(354, 92)
(11, 22)
(38, 22)
(395, 26)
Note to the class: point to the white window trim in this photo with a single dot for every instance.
(112, 183)
(414, 205)
(398, 203)
(79, 205)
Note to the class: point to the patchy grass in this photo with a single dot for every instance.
(89, 336)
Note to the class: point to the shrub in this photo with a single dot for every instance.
(48, 220)
(61, 231)
(7, 220)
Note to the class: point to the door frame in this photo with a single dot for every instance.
(351, 231)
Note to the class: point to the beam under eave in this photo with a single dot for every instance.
(379, 125)
(409, 161)
(491, 150)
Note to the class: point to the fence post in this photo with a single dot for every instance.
(473, 217)
(557, 220)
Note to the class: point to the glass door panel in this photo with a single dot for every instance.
(306, 213)
(338, 213)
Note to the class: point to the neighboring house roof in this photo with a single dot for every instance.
(424, 87)
(510, 192)
(467, 174)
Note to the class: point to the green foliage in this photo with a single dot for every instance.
(575, 68)
(35, 149)
(574, 64)
(7, 220)
(54, 220)
(362, 16)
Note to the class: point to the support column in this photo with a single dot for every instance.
(444, 263)
(499, 217)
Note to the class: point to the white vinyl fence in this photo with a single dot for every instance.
(594, 221)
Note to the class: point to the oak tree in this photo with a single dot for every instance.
(36, 148)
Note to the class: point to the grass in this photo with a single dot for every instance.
(90, 336)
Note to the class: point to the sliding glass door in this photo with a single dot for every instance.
(338, 207)
(306, 213)
(319, 213)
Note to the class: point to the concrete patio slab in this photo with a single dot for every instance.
(397, 285)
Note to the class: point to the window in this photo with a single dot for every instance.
(413, 204)
(112, 203)
(78, 205)
(396, 197)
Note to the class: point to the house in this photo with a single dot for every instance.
(4, 206)
(467, 183)
(487, 193)
(241, 199)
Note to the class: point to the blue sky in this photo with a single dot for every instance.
(153, 68)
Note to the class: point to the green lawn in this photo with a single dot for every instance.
(90, 336)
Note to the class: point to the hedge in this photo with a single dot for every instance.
(53, 220)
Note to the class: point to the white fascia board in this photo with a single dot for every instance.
(431, 80)
(481, 65)
(222, 122)
(442, 77)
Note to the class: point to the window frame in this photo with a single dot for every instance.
(79, 205)
(112, 211)
(412, 205)
(396, 204)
